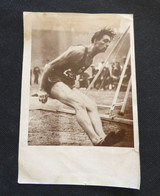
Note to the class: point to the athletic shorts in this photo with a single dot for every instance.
(51, 80)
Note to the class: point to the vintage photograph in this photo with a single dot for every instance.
(80, 83)
(79, 121)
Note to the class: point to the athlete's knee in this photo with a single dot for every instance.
(91, 106)
(79, 105)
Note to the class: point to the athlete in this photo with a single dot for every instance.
(58, 81)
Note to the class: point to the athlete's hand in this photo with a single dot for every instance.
(43, 96)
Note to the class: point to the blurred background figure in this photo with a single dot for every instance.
(36, 72)
(105, 78)
(94, 71)
(115, 73)
(128, 71)
(84, 80)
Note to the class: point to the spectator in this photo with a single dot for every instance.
(84, 80)
(115, 74)
(36, 72)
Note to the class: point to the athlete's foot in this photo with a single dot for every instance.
(112, 138)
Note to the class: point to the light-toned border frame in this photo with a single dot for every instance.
(103, 166)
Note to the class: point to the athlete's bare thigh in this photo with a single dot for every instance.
(89, 103)
(65, 94)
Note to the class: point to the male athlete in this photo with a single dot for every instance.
(58, 81)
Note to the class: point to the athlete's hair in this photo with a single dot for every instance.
(105, 31)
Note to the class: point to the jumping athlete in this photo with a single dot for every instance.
(58, 81)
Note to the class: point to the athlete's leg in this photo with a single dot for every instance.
(109, 139)
(93, 113)
(69, 97)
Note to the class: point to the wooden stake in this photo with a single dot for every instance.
(120, 83)
(126, 97)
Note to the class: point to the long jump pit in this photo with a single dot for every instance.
(55, 124)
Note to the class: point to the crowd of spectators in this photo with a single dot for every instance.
(108, 78)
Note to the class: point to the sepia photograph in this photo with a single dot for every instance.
(80, 82)
(79, 122)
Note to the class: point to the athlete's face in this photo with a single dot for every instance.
(102, 44)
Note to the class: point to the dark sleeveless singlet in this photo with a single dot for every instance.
(66, 73)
